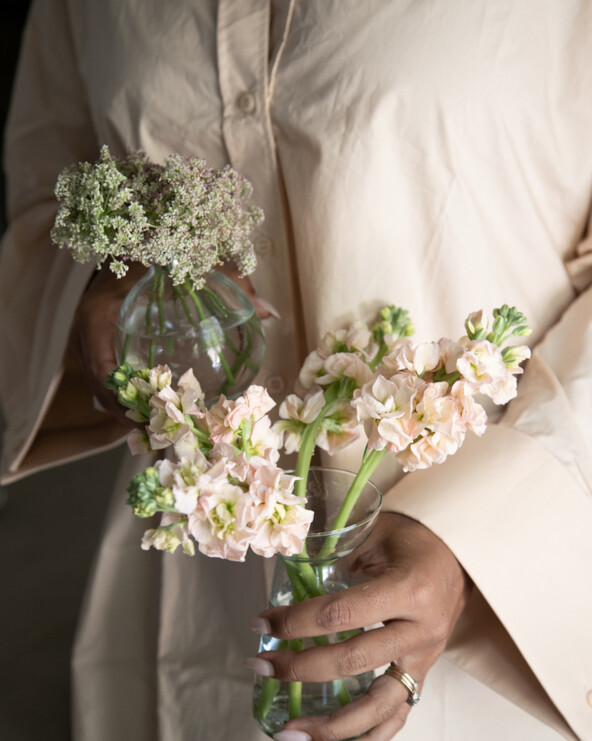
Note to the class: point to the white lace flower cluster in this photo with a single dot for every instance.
(221, 486)
(183, 215)
(414, 400)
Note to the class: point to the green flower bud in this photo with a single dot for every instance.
(144, 491)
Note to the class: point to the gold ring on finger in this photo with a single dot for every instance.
(407, 681)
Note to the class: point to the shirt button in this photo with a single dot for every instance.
(589, 698)
(247, 102)
(276, 383)
(263, 246)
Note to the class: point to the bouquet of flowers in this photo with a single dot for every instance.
(221, 486)
(180, 219)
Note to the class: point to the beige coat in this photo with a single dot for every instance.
(434, 155)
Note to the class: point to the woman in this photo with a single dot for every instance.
(426, 154)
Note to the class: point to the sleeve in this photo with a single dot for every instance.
(515, 507)
(49, 127)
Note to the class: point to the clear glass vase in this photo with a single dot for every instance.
(321, 568)
(214, 330)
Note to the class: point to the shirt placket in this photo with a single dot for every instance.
(243, 38)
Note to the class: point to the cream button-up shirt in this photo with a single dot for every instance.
(433, 155)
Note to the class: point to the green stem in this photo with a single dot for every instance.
(153, 293)
(308, 442)
(366, 470)
(295, 700)
(216, 306)
(268, 693)
(202, 315)
(125, 348)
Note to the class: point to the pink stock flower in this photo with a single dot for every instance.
(297, 413)
(440, 411)
(426, 451)
(385, 407)
(312, 367)
(473, 415)
(167, 423)
(225, 417)
(138, 442)
(171, 533)
(264, 439)
(285, 531)
(415, 358)
(340, 429)
(344, 364)
(281, 520)
(192, 395)
(221, 523)
(450, 352)
(483, 367)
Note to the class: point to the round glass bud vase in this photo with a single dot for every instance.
(214, 330)
(321, 568)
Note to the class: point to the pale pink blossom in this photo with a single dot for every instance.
(138, 442)
(225, 418)
(182, 477)
(216, 421)
(355, 337)
(192, 396)
(158, 377)
(281, 521)
(296, 413)
(221, 525)
(394, 344)
(171, 534)
(167, 422)
(312, 367)
(427, 451)
(473, 415)
(415, 358)
(253, 404)
(476, 322)
(482, 365)
(264, 439)
(285, 531)
(340, 429)
(513, 356)
(450, 352)
(381, 397)
(440, 411)
(344, 364)
(304, 410)
(394, 433)
(385, 407)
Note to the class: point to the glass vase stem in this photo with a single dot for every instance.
(202, 315)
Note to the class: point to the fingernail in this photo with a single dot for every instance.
(261, 625)
(292, 736)
(266, 306)
(260, 666)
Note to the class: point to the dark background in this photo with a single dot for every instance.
(50, 524)
(12, 19)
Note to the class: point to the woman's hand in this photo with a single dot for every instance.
(416, 588)
(94, 329)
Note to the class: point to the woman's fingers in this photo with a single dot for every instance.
(362, 653)
(383, 598)
(380, 713)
